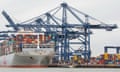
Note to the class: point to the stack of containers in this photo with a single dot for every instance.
(100, 59)
(1, 49)
(41, 38)
(118, 59)
(47, 37)
(24, 40)
(27, 39)
(93, 60)
(114, 58)
(44, 38)
(19, 37)
(34, 39)
(15, 44)
(106, 58)
(110, 59)
(10, 45)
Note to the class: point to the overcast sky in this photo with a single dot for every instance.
(105, 10)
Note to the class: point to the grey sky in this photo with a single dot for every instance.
(105, 10)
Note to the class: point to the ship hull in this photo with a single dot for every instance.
(27, 58)
(31, 59)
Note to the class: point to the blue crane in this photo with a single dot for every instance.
(112, 47)
(11, 22)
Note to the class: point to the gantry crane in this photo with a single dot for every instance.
(64, 31)
(112, 47)
(11, 22)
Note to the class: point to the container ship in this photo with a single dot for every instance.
(27, 50)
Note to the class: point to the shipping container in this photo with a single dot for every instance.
(118, 56)
(19, 37)
(41, 38)
(106, 55)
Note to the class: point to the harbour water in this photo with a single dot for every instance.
(59, 69)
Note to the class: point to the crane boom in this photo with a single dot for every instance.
(11, 22)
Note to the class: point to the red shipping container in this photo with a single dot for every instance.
(49, 37)
(101, 62)
(40, 38)
(45, 38)
(114, 57)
